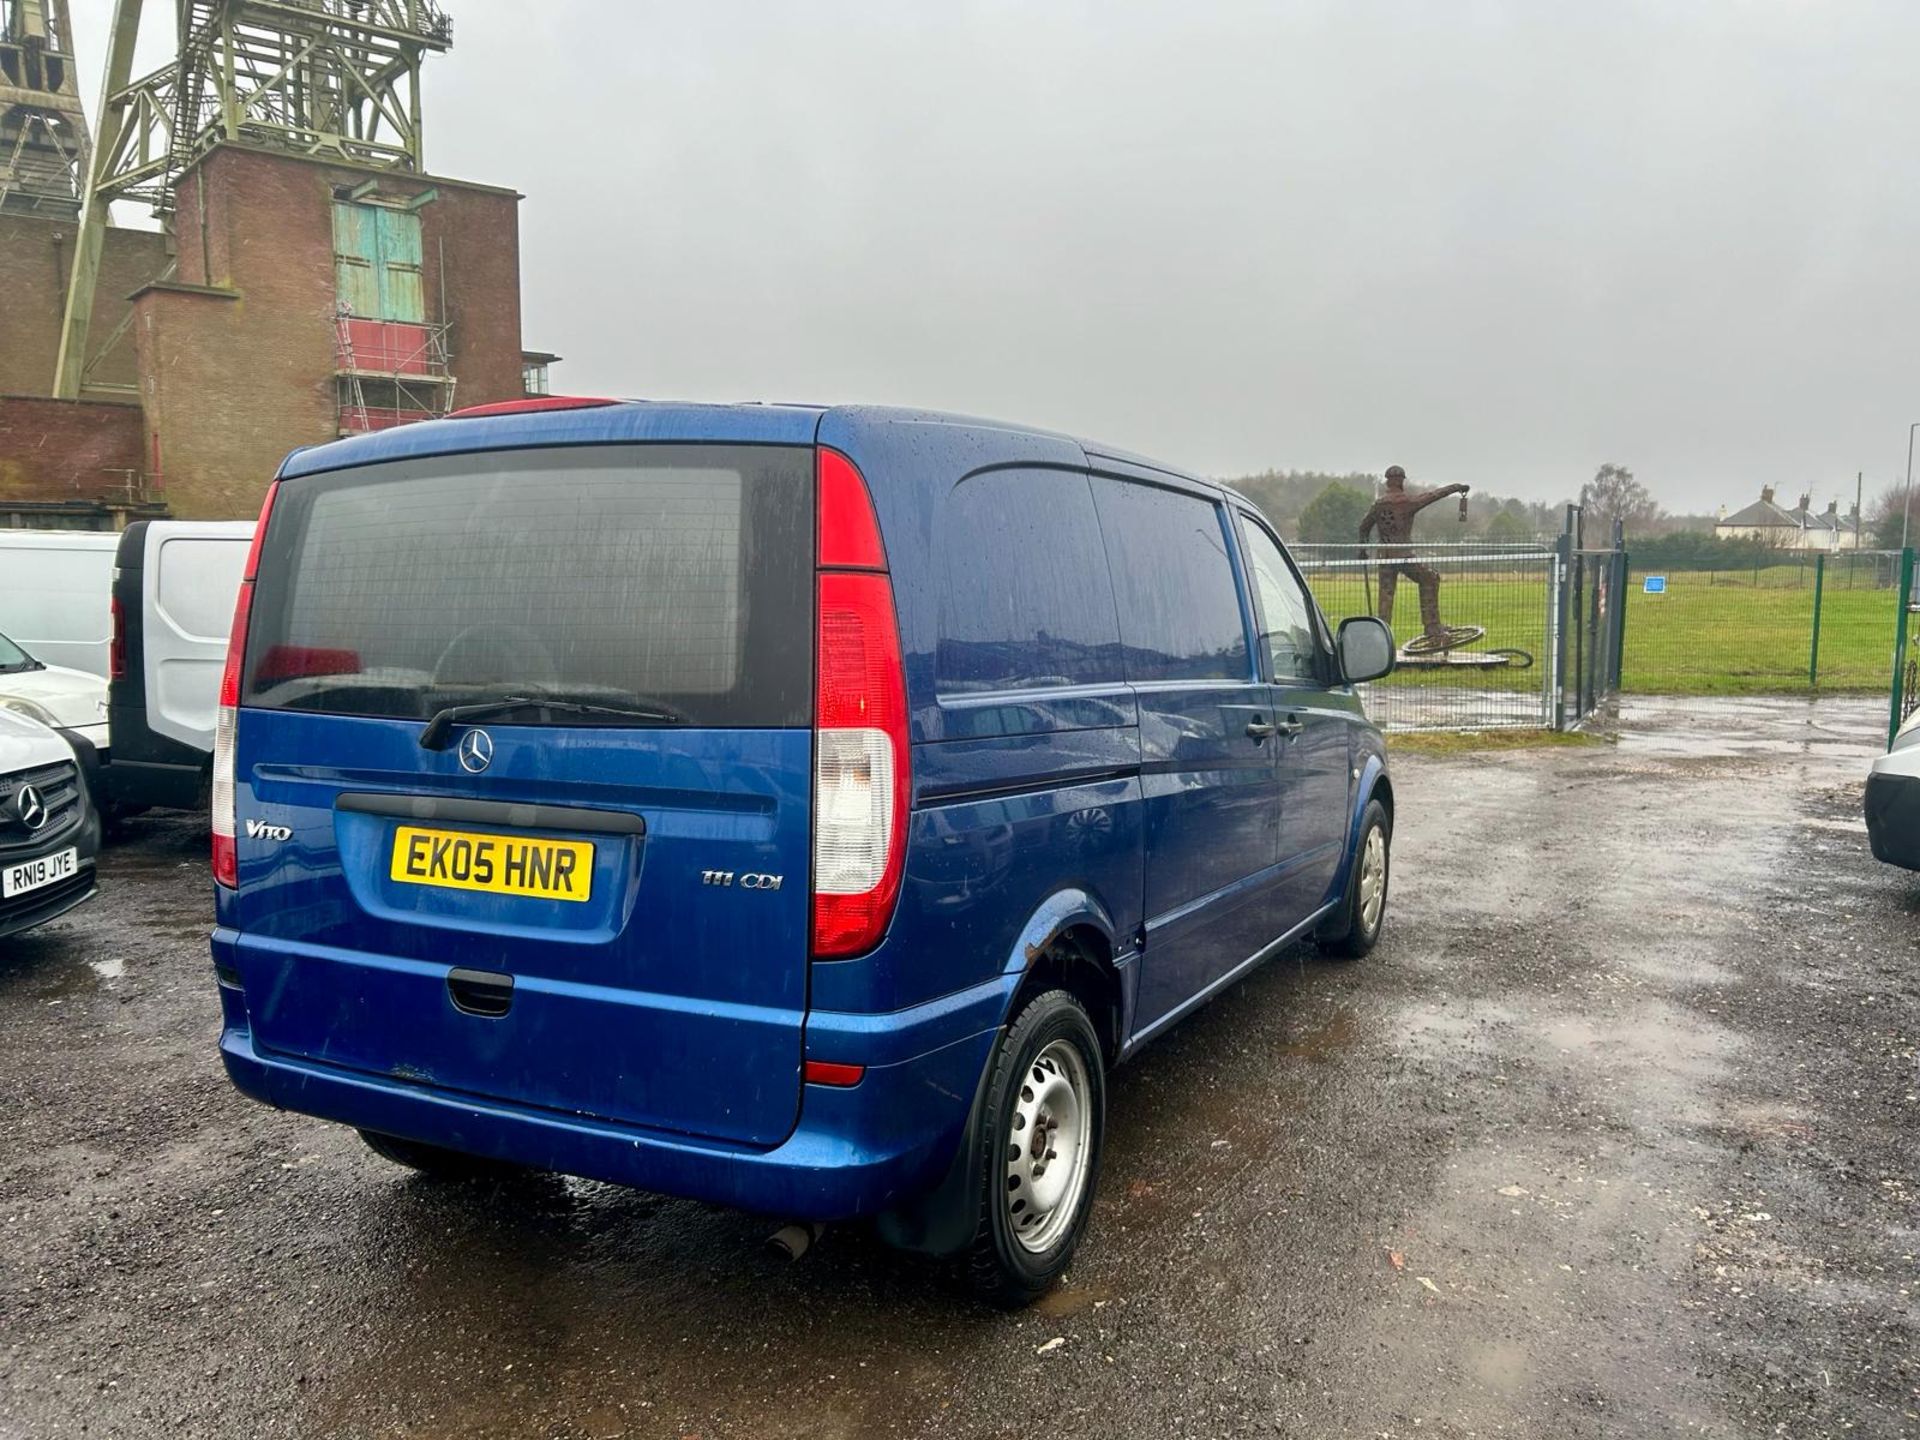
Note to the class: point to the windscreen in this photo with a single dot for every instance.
(671, 583)
(12, 657)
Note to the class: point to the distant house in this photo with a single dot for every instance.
(1800, 528)
(1848, 526)
(1828, 529)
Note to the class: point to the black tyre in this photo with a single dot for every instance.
(1040, 1138)
(439, 1163)
(1365, 908)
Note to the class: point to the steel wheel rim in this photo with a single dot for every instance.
(1373, 878)
(1049, 1142)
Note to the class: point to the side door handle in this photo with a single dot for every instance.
(1258, 729)
(1290, 726)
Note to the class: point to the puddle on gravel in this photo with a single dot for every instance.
(1326, 1041)
(1845, 732)
(1070, 1299)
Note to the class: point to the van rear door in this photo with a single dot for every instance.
(590, 895)
(190, 574)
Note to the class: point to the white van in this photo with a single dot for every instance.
(174, 587)
(54, 587)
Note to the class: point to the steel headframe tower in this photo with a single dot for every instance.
(43, 129)
(332, 79)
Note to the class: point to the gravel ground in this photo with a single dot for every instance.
(1613, 1135)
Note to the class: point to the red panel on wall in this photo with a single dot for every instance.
(389, 347)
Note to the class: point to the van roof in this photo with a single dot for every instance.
(613, 422)
(625, 420)
(60, 539)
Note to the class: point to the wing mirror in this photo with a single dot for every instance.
(1365, 648)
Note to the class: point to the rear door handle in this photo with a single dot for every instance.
(480, 992)
(1258, 729)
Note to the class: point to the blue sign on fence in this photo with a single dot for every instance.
(1656, 585)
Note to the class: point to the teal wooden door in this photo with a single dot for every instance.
(400, 289)
(356, 258)
(376, 253)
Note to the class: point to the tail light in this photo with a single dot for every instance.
(117, 646)
(226, 858)
(860, 724)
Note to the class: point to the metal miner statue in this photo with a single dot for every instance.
(1392, 514)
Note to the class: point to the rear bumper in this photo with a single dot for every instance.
(1893, 819)
(148, 769)
(147, 783)
(855, 1151)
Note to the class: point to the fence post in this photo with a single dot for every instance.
(1618, 640)
(1819, 584)
(1563, 548)
(1900, 643)
(1550, 680)
(1621, 568)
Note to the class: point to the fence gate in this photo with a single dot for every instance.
(1906, 651)
(1534, 628)
(1593, 597)
(1502, 678)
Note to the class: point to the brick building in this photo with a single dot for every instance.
(293, 301)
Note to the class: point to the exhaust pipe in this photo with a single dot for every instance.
(796, 1239)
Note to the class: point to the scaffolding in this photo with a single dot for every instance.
(330, 79)
(389, 372)
(44, 148)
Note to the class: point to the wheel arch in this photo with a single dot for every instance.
(1069, 944)
(1383, 792)
(1374, 784)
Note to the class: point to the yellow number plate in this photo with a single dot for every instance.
(498, 864)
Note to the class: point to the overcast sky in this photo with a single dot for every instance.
(1493, 242)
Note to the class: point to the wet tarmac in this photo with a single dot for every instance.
(1613, 1135)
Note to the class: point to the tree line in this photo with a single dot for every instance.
(1316, 507)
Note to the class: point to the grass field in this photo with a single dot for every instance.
(1722, 639)
(1471, 742)
(1512, 606)
(1730, 633)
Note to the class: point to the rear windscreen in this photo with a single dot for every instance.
(672, 580)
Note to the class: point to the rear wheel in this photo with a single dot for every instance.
(437, 1162)
(1365, 907)
(1044, 1117)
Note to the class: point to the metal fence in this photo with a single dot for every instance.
(1593, 581)
(1906, 648)
(1541, 634)
(1801, 622)
(1504, 676)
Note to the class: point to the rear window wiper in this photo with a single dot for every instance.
(434, 736)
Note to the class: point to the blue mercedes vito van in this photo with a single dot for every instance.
(801, 809)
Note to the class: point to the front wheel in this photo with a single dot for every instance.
(1365, 907)
(1045, 1113)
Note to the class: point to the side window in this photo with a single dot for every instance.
(1286, 614)
(1179, 607)
(1025, 601)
